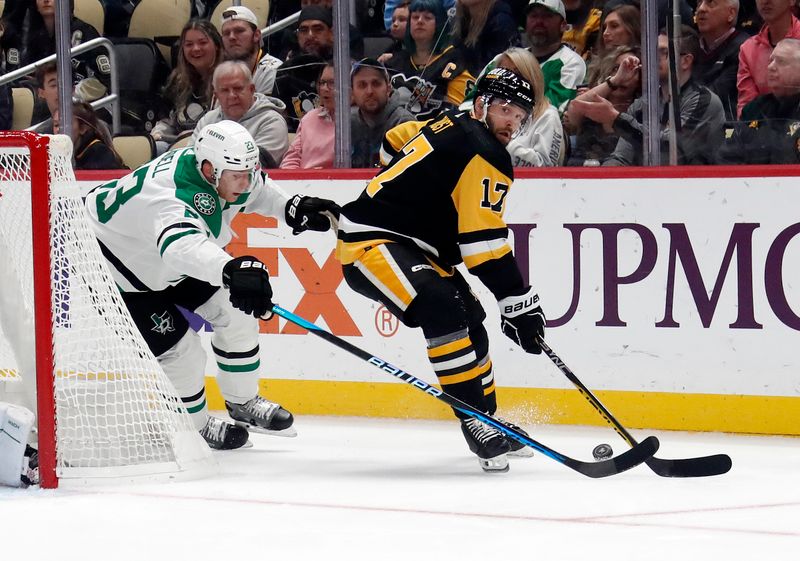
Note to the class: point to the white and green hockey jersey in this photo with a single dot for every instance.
(163, 222)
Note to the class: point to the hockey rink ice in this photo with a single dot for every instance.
(380, 489)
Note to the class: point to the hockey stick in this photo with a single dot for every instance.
(685, 467)
(639, 453)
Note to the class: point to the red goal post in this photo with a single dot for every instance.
(105, 409)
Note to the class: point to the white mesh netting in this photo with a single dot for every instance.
(116, 412)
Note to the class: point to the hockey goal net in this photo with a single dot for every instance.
(105, 409)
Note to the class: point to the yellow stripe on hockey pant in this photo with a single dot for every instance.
(470, 374)
(451, 347)
(380, 268)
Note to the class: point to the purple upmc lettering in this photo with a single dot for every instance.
(741, 242)
(773, 278)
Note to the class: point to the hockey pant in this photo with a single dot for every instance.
(166, 330)
(422, 294)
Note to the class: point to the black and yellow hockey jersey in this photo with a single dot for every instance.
(444, 191)
(425, 91)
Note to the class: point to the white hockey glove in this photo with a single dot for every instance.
(522, 320)
(311, 213)
(247, 279)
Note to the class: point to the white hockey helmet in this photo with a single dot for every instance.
(226, 145)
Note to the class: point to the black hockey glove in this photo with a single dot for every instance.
(247, 279)
(522, 320)
(306, 213)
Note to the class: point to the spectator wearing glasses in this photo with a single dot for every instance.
(261, 115)
(241, 39)
(700, 112)
(718, 59)
(779, 23)
(312, 147)
(374, 111)
(295, 83)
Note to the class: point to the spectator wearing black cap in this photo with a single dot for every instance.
(241, 40)
(295, 83)
(374, 111)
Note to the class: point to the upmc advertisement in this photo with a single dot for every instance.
(676, 298)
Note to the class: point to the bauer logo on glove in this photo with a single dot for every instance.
(522, 320)
(247, 279)
(311, 213)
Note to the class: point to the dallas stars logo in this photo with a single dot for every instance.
(163, 323)
(205, 203)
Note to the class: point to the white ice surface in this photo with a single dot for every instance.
(353, 489)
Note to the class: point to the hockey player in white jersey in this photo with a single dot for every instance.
(162, 230)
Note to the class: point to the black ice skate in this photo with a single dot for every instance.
(222, 435)
(518, 449)
(262, 416)
(488, 444)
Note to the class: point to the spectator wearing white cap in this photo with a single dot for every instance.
(241, 40)
(562, 67)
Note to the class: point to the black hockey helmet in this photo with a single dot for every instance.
(504, 84)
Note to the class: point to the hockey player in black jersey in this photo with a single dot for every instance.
(438, 202)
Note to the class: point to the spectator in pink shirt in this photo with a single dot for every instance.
(312, 147)
(779, 23)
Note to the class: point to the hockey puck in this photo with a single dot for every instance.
(602, 452)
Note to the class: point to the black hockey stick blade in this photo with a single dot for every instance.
(704, 466)
(633, 457)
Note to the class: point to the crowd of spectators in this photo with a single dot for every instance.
(732, 92)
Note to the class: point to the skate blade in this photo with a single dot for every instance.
(290, 432)
(498, 464)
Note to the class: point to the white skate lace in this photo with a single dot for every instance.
(482, 432)
(214, 429)
(261, 408)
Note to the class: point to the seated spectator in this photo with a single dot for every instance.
(562, 67)
(238, 101)
(91, 144)
(429, 74)
(39, 42)
(47, 92)
(390, 5)
(700, 112)
(583, 25)
(619, 81)
(397, 31)
(483, 29)
(188, 89)
(779, 23)
(540, 143)
(374, 112)
(313, 146)
(294, 83)
(620, 26)
(295, 42)
(718, 60)
(241, 38)
(768, 132)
